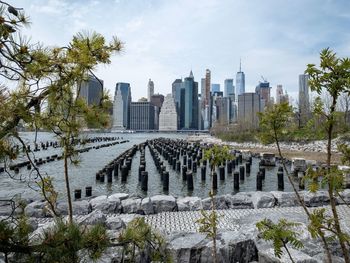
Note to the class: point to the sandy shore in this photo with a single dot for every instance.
(310, 151)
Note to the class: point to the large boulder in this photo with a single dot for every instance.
(319, 198)
(94, 218)
(79, 207)
(163, 203)
(120, 196)
(131, 206)
(263, 200)
(146, 206)
(35, 209)
(240, 201)
(285, 199)
(107, 205)
(189, 203)
(344, 196)
(220, 202)
(267, 255)
(115, 223)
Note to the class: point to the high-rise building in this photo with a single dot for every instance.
(240, 81)
(205, 107)
(229, 88)
(264, 89)
(157, 101)
(150, 89)
(223, 110)
(168, 115)
(91, 90)
(191, 103)
(122, 97)
(141, 116)
(304, 104)
(215, 87)
(179, 96)
(249, 104)
(279, 94)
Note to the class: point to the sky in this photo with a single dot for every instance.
(165, 39)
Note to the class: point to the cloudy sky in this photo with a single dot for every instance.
(165, 39)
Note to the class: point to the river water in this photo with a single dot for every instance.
(90, 162)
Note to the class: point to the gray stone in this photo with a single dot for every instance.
(127, 218)
(163, 203)
(263, 200)
(188, 203)
(115, 223)
(120, 196)
(131, 206)
(106, 205)
(35, 209)
(110, 255)
(319, 198)
(267, 255)
(345, 196)
(240, 201)
(79, 207)
(219, 201)
(147, 206)
(94, 218)
(285, 199)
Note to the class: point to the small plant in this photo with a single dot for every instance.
(281, 234)
(139, 237)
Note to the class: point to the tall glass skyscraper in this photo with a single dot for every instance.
(229, 89)
(91, 90)
(215, 87)
(240, 81)
(304, 104)
(191, 103)
(122, 94)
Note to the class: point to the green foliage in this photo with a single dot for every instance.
(216, 155)
(274, 122)
(139, 237)
(208, 223)
(345, 150)
(280, 234)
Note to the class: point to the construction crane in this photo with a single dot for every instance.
(265, 80)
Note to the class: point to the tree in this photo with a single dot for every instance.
(333, 77)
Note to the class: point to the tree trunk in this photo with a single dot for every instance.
(66, 179)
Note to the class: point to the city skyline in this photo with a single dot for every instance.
(164, 40)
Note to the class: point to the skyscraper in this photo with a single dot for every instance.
(240, 81)
(205, 101)
(122, 97)
(263, 89)
(157, 101)
(279, 94)
(304, 104)
(179, 95)
(191, 102)
(215, 87)
(249, 104)
(91, 90)
(150, 89)
(168, 115)
(229, 89)
(141, 116)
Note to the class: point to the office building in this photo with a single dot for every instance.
(249, 104)
(280, 96)
(157, 101)
(229, 88)
(168, 115)
(223, 110)
(215, 87)
(264, 89)
(304, 104)
(141, 116)
(150, 89)
(91, 90)
(191, 103)
(121, 106)
(240, 81)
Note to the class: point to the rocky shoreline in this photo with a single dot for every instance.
(242, 245)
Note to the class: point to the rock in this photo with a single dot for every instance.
(111, 254)
(147, 206)
(267, 255)
(115, 223)
(131, 206)
(263, 200)
(345, 197)
(163, 203)
(285, 199)
(120, 196)
(79, 207)
(321, 258)
(94, 218)
(37, 235)
(240, 201)
(319, 198)
(106, 205)
(127, 218)
(188, 203)
(35, 209)
(219, 201)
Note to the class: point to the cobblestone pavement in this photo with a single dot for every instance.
(229, 219)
